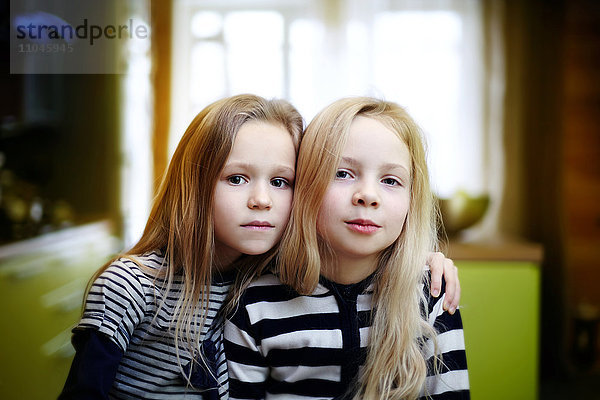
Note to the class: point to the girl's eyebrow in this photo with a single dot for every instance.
(351, 161)
(387, 166)
(391, 166)
(283, 170)
(278, 168)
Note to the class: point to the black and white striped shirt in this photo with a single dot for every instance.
(281, 345)
(124, 303)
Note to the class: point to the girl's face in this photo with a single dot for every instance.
(253, 195)
(365, 207)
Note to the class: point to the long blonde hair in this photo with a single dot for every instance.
(395, 367)
(181, 220)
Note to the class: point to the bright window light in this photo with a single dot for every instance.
(206, 24)
(306, 46)
(207, 74)
(254, 41)
(426, 56)
(418, 62)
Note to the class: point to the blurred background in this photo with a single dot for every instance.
(508, 96)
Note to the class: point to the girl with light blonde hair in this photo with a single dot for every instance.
(348, 312)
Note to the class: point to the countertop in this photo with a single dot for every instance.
(495, 250)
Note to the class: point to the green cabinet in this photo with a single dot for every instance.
(500, 308)
(42, 282)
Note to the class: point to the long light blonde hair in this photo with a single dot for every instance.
(395, 367)
(181, 220)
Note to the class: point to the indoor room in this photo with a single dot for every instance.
(97, 96)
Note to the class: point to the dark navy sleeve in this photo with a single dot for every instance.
(94, 367)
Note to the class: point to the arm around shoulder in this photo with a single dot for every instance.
(450, 380)
(248, 370)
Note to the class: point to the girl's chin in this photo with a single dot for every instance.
(256, 249)
(254, 253)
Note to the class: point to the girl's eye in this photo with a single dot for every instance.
(391, 182)
(236, 180)
(341, 174)
(279, 182)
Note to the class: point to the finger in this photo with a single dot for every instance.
(452, 288)
(456, 299)
(436, 266)
(451, 275)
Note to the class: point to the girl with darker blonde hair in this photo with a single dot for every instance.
(150, 327)
(348, 312)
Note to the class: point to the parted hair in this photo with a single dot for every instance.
(181, 219)
(395, 367)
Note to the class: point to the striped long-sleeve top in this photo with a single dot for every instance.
(282, 345)
(134, 311)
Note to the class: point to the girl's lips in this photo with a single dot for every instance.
(258, 225)
(362, 226)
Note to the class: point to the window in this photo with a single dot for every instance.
(425, 55)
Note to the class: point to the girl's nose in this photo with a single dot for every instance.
(259, 199)
(366, 196)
